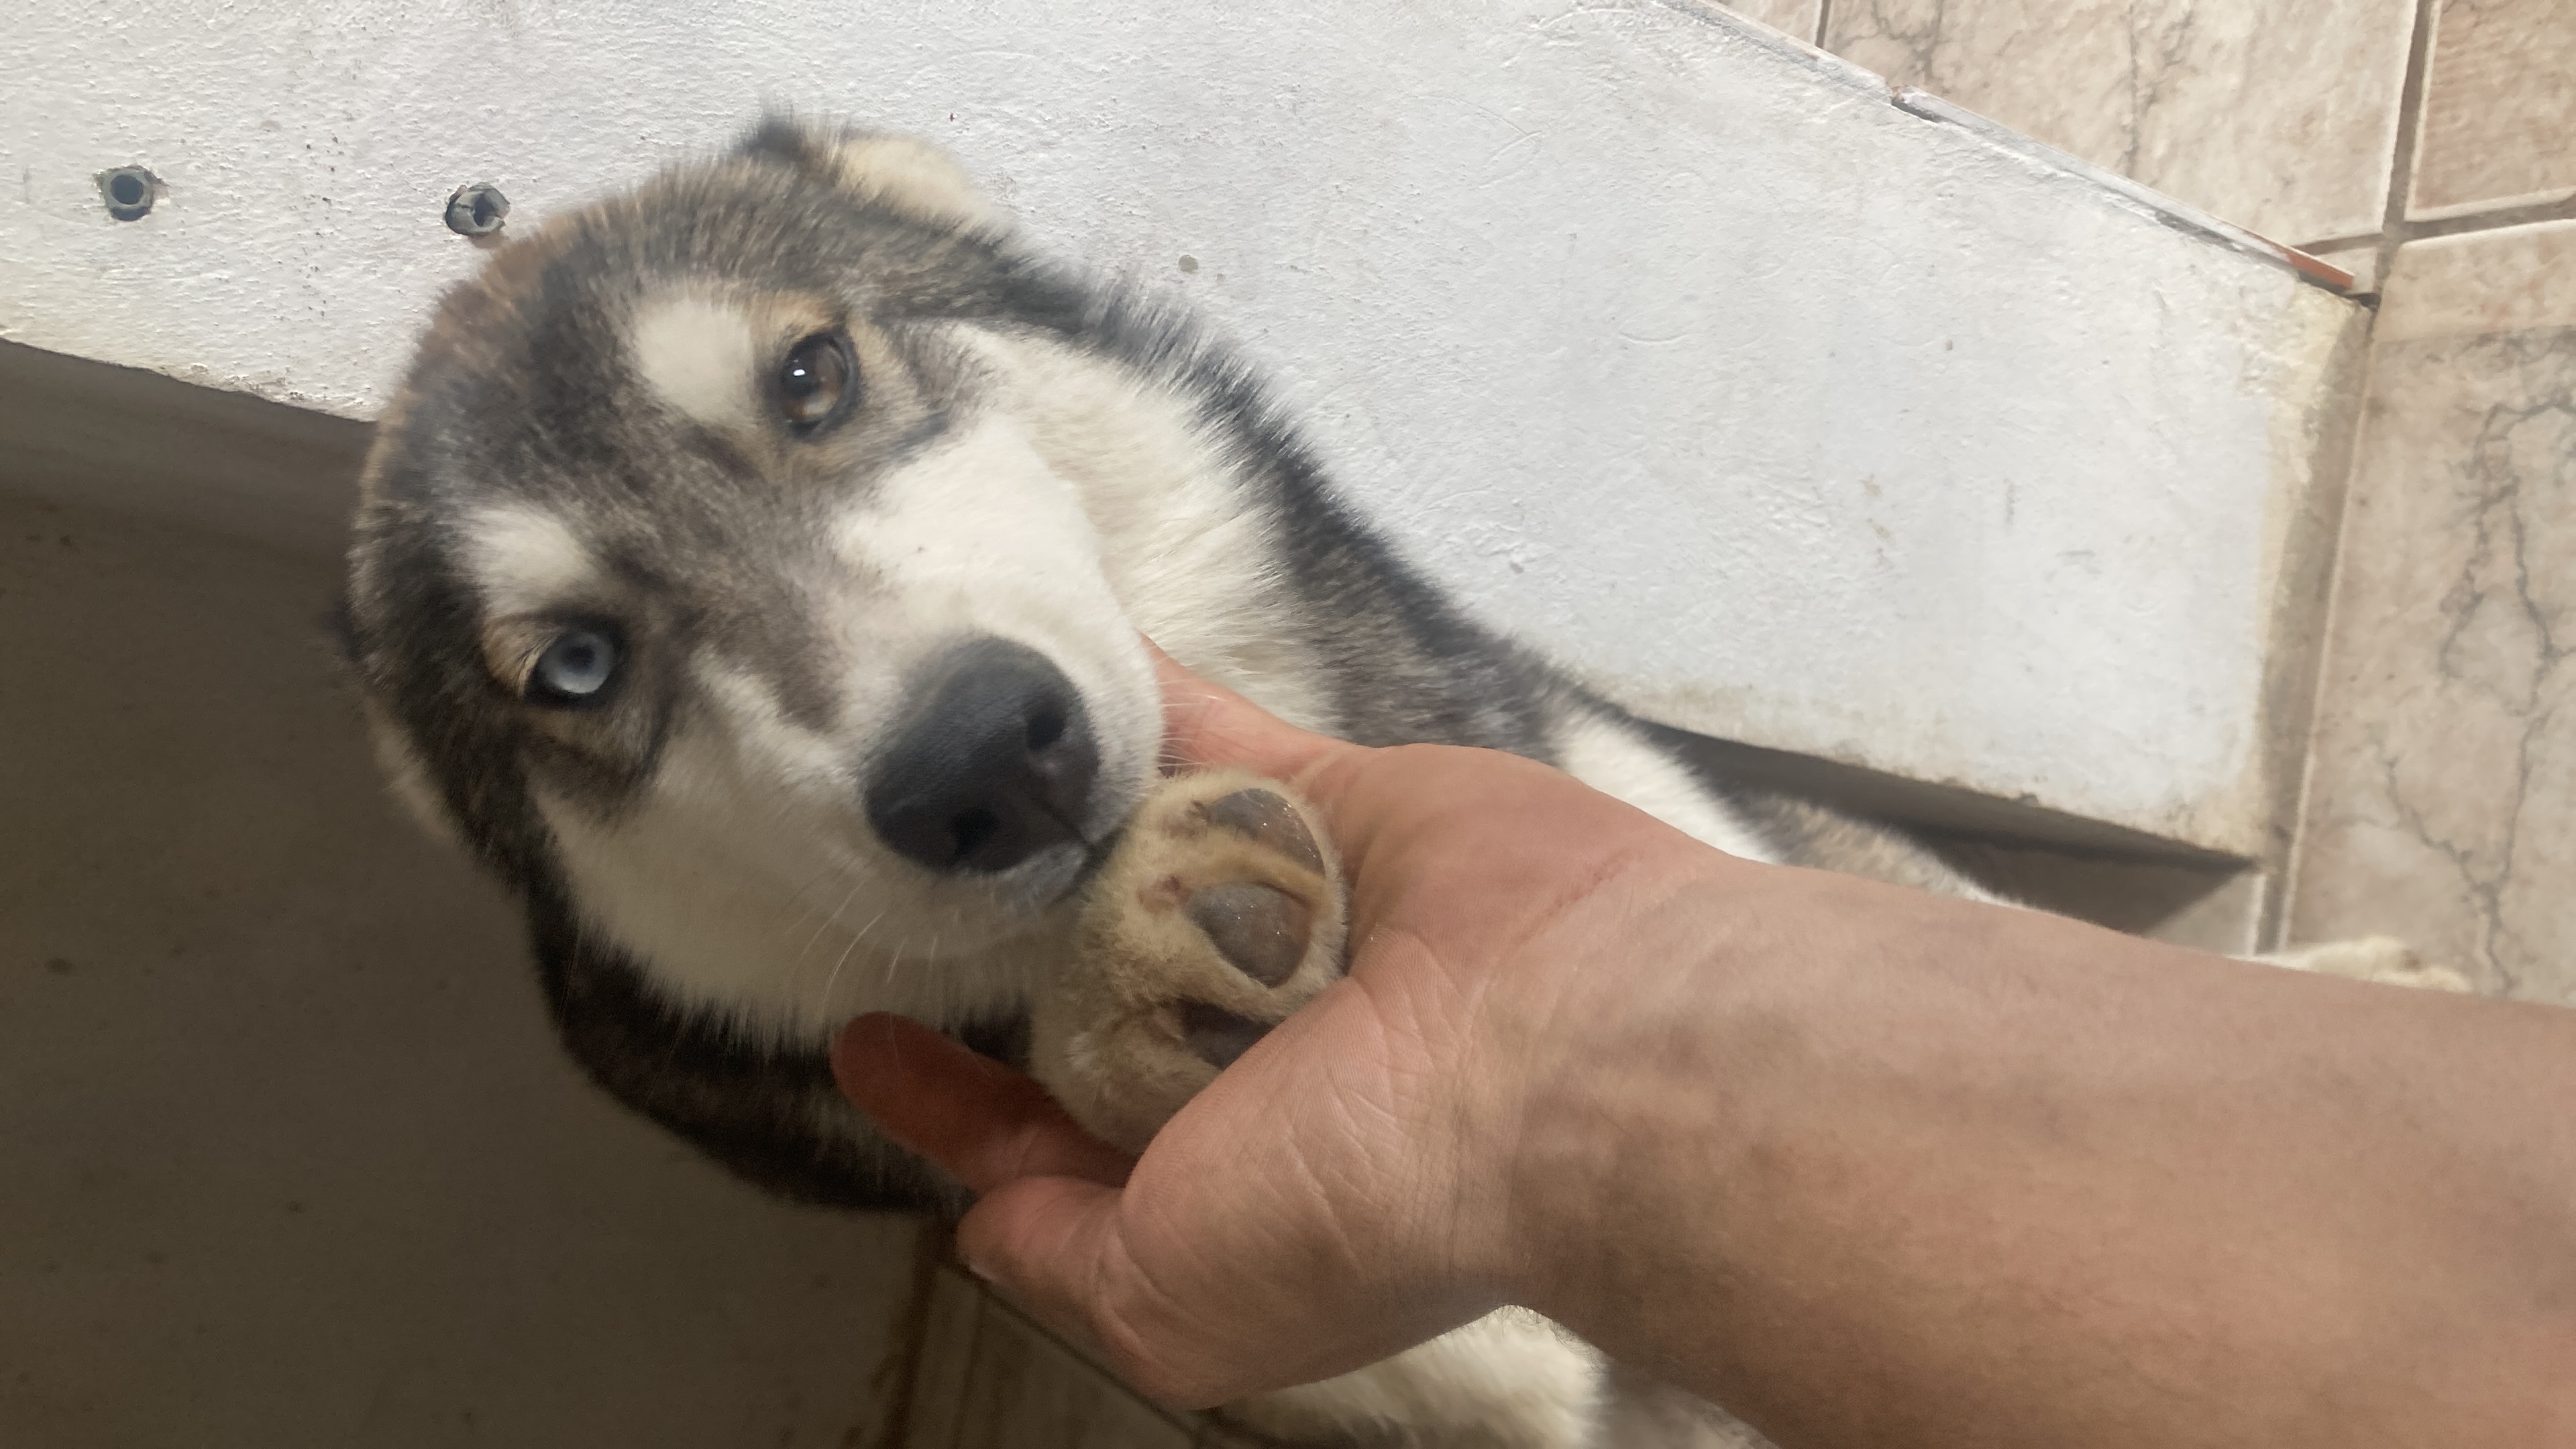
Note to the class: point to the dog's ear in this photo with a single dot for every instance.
(901, 172)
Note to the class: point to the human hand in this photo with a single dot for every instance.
(1346, 1188)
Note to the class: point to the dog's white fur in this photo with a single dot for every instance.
(696, 351)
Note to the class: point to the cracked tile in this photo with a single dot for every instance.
(2280, 118)
(2499, 108)
(2445, 755)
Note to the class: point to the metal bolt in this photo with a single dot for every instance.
(128, 191)
(477, 210)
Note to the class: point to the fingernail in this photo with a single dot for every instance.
(977, 1269)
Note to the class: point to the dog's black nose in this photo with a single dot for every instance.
(993, 765)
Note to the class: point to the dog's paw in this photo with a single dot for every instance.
(1219, 913)
(2384, 959)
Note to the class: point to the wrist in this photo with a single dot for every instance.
(1601, 1057)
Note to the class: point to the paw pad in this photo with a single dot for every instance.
(1260, 930)
(1267, 819)
(1218, 914)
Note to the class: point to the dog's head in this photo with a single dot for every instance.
(711, 578)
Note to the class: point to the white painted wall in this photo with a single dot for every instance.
(1778, 410)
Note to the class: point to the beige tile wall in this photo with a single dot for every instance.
(2279, 117)
(2287, 119)
(2499, 123)
(2445, 758)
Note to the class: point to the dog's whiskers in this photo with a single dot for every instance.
(796, 967)
(806, 907)
(896, 960)
(830, 920)
(824, 1003)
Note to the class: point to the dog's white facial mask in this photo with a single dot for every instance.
(741, 868)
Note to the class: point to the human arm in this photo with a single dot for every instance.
(1866, 1165)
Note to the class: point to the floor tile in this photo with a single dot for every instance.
(2499, 107)
(2445, 755)
(2280, 118)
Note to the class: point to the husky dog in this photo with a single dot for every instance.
(751, 572)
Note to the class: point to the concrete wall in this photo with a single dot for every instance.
(1779, 409)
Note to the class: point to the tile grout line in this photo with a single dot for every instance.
(1824, 23)
(2410, 131)
(2497, 219)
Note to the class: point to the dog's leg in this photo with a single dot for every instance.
(1219, 914)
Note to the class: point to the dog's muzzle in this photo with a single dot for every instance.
(995, 764)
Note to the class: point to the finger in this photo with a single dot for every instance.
(1205, 723)
(985, 1123)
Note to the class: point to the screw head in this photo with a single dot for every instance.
(129, 191)
(477, 210)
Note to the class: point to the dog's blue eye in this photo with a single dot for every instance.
(574, 668)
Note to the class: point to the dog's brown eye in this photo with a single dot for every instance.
(817, 380)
